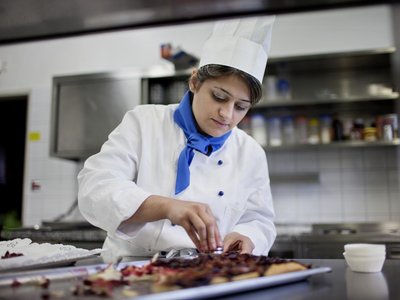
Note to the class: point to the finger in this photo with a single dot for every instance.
(236, 246)
(246, 248)
(211, 225)
(218, 238)
(201, 231)
(192, 234)
(227, 244)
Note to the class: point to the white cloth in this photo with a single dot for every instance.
(140, 159)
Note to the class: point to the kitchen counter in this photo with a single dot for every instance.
(81, 235)
(341, 283)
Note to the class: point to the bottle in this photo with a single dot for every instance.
(301, 130)
(337, 130)
(274, 132)
(288, 131)
(313, 131)
(357, 130)
(326, 129)
(259, 129)
(370, 134)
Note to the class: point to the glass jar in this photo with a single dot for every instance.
(357, 130)
(370, 134)
(301, 130)
(274, 132)
(326, 129)
(288, 133)
(313, 131)
(259, 129)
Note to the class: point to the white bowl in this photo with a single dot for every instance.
(367, 264)
(365, 249)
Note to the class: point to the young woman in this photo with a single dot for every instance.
(183, 175)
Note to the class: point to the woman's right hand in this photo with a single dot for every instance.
(198, 221)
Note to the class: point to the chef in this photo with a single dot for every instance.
(183, 175)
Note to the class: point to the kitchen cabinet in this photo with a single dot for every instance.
(350, 95)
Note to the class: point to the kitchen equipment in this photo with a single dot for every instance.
(328, 240)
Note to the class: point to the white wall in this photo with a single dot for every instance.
(31, 66)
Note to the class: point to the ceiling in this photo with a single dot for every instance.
(27, 20)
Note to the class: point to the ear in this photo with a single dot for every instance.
(193, 81)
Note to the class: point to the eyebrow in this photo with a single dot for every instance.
(225, 91)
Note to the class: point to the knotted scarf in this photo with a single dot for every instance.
(205, 144)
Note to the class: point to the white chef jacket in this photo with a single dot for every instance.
(140, 159)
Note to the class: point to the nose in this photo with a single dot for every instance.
(226, 111)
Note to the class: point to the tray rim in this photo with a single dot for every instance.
(227, 288)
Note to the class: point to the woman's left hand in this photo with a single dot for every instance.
(237, 242)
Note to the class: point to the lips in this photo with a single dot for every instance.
(219, 123)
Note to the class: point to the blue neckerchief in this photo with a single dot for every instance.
(205, 144)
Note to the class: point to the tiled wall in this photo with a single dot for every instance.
(342, 184)
(56, 177)
(357, 184)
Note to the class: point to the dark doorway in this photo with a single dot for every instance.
(12, 158)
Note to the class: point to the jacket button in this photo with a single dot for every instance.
(220, 193)
(220, 162)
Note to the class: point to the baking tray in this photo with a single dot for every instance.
(223, 289)
(64, 278)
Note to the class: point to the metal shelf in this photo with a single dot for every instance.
(363, 98)
(333, 145)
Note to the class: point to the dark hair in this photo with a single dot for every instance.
(215, 71)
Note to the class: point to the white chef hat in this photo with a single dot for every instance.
(243, 44)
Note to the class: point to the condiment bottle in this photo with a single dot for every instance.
(313, 131)
(370, 134)
(358, 129)
(326, 129)
(337, 129)
(288, 131)
(274, 132)
(259, 129)
(301, 130)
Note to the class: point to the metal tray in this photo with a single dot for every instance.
(63, 278)
(223, 289)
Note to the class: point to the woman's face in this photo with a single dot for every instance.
(220, 104)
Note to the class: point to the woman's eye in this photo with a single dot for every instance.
(240, 107)
(219, 97)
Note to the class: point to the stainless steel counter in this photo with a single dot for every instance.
(328, 240)
(341, 283)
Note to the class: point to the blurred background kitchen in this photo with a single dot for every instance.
(328, 120)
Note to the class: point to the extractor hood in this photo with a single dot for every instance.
(27, 20)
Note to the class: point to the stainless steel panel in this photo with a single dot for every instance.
(86, 109)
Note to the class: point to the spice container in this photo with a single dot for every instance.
(313, 131)
(301, 130)
(259, 129)
(357, 130)
(390, 127)
(337, 130)
(288, 131)
(325, 129)
(370, 134)
(274, 132)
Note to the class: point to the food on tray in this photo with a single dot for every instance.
(9, 254)
(171, 274)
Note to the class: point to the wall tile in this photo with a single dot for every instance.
(351, 159)
(352, 180)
